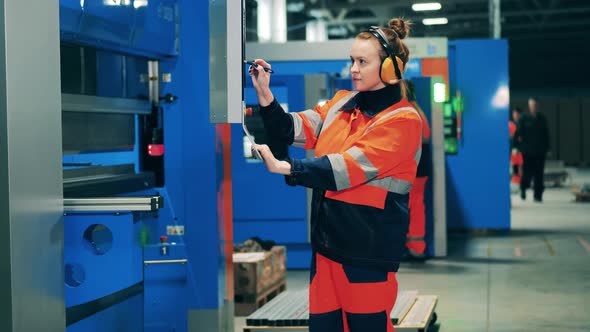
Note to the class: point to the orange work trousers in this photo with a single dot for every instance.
(344, 298)
(416, 234)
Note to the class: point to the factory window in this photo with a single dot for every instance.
(98, 239)
(75, 275)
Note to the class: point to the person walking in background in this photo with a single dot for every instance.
(532, 139)
(515, 155)
(367, 146)
(416, 241)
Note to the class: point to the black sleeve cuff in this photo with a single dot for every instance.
(278, 124)
(296, 168)
(274, 104)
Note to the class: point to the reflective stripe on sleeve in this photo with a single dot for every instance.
(314, 120)
(340, 171)
(418, 154)
(392, 184)
(365, 164)
(298, 133)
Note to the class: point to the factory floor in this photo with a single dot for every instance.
(535, 278)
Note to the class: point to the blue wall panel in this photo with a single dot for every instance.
(478, 195)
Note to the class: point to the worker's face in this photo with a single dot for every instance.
(515, 115)
(366, 64)
(532, 105)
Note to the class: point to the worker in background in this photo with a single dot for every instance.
(532, 139)
(416, 241)
(367, 145)
(515, 155)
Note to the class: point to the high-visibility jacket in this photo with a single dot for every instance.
(361, 176)
(425, 163)
(515, 155)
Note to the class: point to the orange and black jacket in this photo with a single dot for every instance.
(425, 163)
(367, 146)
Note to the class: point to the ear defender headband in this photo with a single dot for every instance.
(390, 68)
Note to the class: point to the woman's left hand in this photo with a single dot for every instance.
(261, 81)
(272, 164)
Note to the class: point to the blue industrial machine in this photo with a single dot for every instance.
(139, 27)
(477, 195)
(145, 181)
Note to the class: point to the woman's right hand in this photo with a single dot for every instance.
(261, 82)
(272, 164)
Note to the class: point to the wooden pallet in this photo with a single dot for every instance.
(412, 313)
(247, 304)
(582, 196)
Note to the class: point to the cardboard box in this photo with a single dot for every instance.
(279, 261)
(256, 272)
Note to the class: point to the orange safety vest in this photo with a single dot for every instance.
(369, 159)
(361, 177)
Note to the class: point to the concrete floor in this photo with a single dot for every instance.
(535, 278)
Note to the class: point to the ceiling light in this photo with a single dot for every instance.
(295, 7)
(435, 21)
(140, 3)
(426, 6)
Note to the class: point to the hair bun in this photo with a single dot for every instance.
(400, 26)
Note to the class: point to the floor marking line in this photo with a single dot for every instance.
(584, 244)
(549, 247)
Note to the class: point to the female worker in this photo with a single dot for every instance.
(367, 145)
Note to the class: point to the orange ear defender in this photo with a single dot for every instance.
(390, 68)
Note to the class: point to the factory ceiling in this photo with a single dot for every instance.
(547, 38)
(520, 19)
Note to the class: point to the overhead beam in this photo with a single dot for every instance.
(494, 18)
(398, 3)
